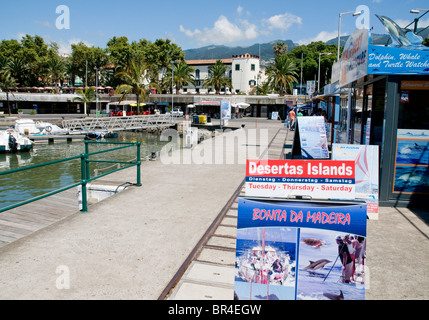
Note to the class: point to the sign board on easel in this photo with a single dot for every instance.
(300, 249)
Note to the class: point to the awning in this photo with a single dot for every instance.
(241, 105)
(208, 103)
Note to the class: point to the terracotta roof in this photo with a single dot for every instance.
(208, 61)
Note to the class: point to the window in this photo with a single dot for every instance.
(197, 74)
(237, 67)
(252, 67)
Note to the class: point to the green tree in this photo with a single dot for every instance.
(7, 84)
(83, 56)
(183, 74)
(217, 78)
(310, 60)
(280, 48)
(86, 97)
(134, 81)
(282, 74)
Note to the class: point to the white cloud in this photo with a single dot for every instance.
(282, 21)
(322, 36)
(223, 32)
(45, 24)
(239, 10)
(64, 48)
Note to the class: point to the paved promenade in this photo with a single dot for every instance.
(131, 245)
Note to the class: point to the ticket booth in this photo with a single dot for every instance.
(385, 102)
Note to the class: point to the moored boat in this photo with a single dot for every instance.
(11, 141)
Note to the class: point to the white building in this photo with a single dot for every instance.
(244, 70)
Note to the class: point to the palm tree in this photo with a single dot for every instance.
(183, 73)
(282, 74)
(86, 96)
(7, 83)
(217, 78)
(57, 70)
(280, 48)
(135, 81)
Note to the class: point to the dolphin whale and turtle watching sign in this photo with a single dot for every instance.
(295, 249)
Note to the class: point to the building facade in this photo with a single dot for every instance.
(244, 71)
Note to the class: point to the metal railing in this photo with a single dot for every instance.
(117, 123)
(85, 173)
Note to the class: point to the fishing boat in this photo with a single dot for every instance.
(11, 141)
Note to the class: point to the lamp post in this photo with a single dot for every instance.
(172, 87)
(416, 20)
(318, 79)
(96, 91)
(355, 13)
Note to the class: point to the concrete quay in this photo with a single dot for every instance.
(130, 246)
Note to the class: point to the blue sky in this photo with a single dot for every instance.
(192, 24)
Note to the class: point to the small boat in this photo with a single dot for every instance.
(26, 126)
(101, 135)
(30, 127)
(11, 141)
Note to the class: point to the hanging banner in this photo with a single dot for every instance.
(312, 179)
(367, 171)
(390, 60)
(290, 250)
(354, 59)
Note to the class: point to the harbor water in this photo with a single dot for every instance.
(24, 185)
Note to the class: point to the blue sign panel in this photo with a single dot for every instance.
(390, 60)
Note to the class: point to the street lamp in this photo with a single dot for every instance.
(172, 87)
(96, 91)
(318, 80)
(355, 13)
(416, 20)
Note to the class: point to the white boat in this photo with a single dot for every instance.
(30, 127)
(12, 141)
(26, 126)
(266, 265)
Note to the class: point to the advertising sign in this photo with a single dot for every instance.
(313, 138)
(412, 162)
(290, 250)
(355, 57)
(367, 171)
(390, 60)
(225, 109)
(311, 87)
(313, 179)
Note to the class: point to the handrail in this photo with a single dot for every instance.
(85, 175)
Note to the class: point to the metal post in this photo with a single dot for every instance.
(139, 183)
(84, 182)
(86, 160)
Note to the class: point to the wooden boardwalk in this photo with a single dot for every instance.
(25, 220)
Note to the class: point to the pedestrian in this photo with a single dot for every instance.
(346, 259)
(292, 116)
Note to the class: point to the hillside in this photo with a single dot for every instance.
(265, 50)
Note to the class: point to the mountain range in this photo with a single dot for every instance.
(265, 50)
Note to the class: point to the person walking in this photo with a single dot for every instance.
(292, 117)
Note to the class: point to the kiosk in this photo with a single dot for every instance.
(384, 94)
